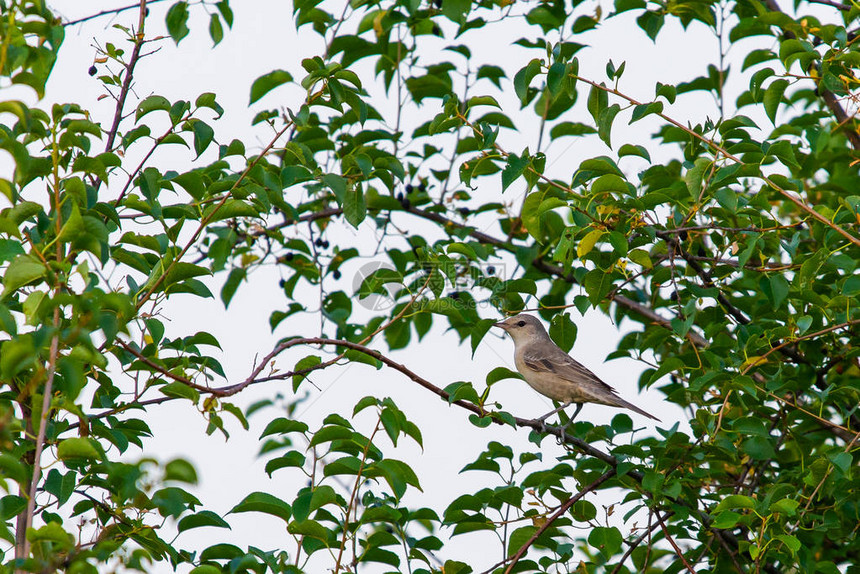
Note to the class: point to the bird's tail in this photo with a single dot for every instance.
(619, 402)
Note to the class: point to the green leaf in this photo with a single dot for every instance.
(604, 123)
(181, 470)
(181, 391)
(54, 533)
(292, 458)
(514, 168)
(398, 475)
(791, 542)
(77, 447)
(177, 21)
(265, 503)
(23, 270)
(773, 97)
(643, 110)
(598, 101)
(726, 520)
(202, 518)
(268, 82)
(502, 373)
(203, 136)
(308, 362)
(562, 330)
(775, 288)
(234, 279)
(150, 104)
(354, 206)
(523, 79)
(284, 426)
(629, 149)
(216, 32)
(606, 540)
(785, 506)
(230, 209)
(570, 129)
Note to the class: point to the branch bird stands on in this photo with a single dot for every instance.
(553, 373)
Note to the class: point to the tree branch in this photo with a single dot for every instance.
(675, 547)
(549, 521)
(22, 549)
(129, 74)
(107, 12)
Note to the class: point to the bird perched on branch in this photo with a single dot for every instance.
(553, 373)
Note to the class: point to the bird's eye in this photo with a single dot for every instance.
(521, 324)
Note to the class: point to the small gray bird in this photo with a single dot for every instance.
(553, 373)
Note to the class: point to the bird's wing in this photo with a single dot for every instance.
(544, 358)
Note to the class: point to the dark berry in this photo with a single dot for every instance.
(464, 211)
(288, 257)
(701, 252)
(325, 244)
(336, 274)
(455, 295)
(318, 242)
(683, 236)
(92, 71)
(409, 188)
(400, 197)
(423, 187)
(674, 296)
(491, 270)
(406, 204)
(281, 283)
(798, 225)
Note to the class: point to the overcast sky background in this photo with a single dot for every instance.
(263, 38)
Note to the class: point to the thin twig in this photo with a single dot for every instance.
(107, 13)
(635, 544)
(129, 75)
(549, 521)
(24, 548)
(354, 494)
(674, 546)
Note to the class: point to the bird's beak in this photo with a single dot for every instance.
(501, 325)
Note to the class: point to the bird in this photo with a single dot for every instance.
(555, 374)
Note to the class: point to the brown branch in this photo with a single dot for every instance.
(674, 546)
(161, 369)
(106, 13)
(832, 4)
(354, 494)
(129, 74)
(549, 521)
(22, 549)
(635, 544)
